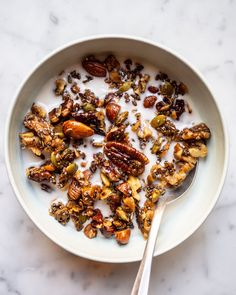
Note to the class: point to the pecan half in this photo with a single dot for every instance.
(94, 67)
(127, 158)
(116, 134)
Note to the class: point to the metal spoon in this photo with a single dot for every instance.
(141, 283)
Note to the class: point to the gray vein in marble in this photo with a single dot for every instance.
(53, 19)
(9, 287)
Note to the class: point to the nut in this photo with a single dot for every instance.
(152, 89)
(90, 232)
(129, 204)
(199, 151)
(74, 191)
(135, 185)
(76, 130)
(125, 188)
(94, 68)
(197, 132)
(121, 118)
(112, 63)
(105, 179)
(182, 88)
(149, 101)
(125, 157)
(122, 236)
(158, 121)
(166, 89)
(60, 86)
(116, 134)
(125, 86)
(122, 214)
(112, 110)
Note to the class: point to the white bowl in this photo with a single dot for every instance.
(181, 218)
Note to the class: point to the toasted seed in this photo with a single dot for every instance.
(87, 107)
(166, 89)
(72, 168)
(158, 121)
(125, 86)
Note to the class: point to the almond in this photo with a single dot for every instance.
(112, 110)
(74, 129)
(94, 68)
(149, 101)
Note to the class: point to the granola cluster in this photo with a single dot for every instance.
(56, 137)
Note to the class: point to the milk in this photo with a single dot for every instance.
(47, 98)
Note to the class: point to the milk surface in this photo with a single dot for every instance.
(47, 98)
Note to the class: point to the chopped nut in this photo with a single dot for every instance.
(122, 214)
(124, 188)
(125, 86)
(60, 213)
(90, 231)
(158, 121)
(105, 180)
(121, 118)
(123, 236)
(60, 86)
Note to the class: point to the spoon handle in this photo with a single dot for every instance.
(141, 283)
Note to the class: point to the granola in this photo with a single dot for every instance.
(97, 150)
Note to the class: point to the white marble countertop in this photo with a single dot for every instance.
(204, 32)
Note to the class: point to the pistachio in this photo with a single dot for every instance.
(123, 236)
(58, 131)
(166, 89)
(76, 130)
(88, 107)
(72, 168)
(125, 86)
(54, 160)
(158, 121)
(60, 86)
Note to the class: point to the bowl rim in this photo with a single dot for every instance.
(7, 132)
